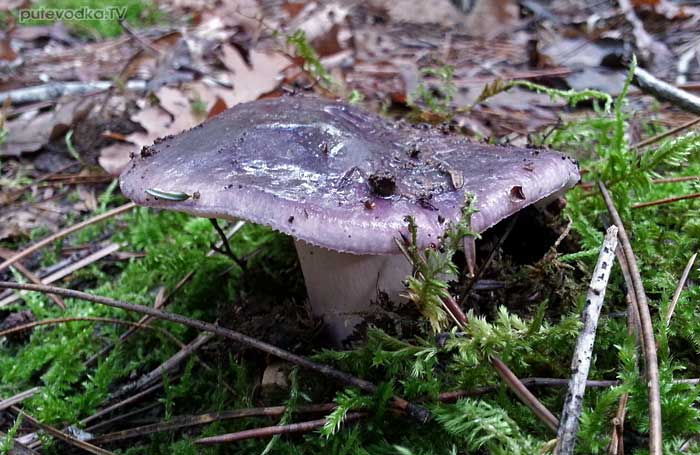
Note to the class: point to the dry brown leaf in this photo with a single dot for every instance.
(250, 82)
(31, 133)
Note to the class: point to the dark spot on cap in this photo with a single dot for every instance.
(517, 193)
(382, 183)
(290, 219)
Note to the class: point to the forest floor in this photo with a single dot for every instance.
(79, 97)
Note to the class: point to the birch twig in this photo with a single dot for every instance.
(581, 361)
(666, 92)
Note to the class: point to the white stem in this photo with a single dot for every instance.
(342, 286)
(581, 361)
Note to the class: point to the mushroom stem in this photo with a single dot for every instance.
(342, 286)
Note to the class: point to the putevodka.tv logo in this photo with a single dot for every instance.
(110, 13)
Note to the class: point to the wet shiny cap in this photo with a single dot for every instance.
(336, 176)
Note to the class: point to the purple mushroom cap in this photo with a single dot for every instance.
(338, 177)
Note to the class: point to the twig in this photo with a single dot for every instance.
(634, 327)
(6, 254)
(54, 90)
(617, 442)
(667, 200)
(203, 419)
(417, 412)
(106, 423)
(685, 178)
(665, 134)
(4, 404)
(265, 432)
(125, 402)
(651, 361)
(527, 397)
(679, 288)
(31, 325)
(226, 250)
(666, 92)
(60, 234)
(166, 367)
(58, 434)
(581, 360)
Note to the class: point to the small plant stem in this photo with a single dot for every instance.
(417, 412)
(666, 92)
(301, 427)
(64, 232)
(13, 400)
(58, 434)
(668, 200)
(227, 251)
(665, 134)
(651, 361)
(679, 288)
(581, 360)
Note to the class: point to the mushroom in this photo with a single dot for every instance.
(341, 182)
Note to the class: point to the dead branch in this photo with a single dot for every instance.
(652, 366)
(107, 423)
(59, 235)
(679, 288)
(665, 134)
(70, 268)
(666, 92)
(13, 400)
(203, 419)
(58, 434)
(667, 200)
(581, 360)
(301, 427)
(166, 367)
(125, 402)
(55, 90)
(417, 412)
(7, 254)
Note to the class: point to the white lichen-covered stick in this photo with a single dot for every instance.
(666, 92)
(581, 362)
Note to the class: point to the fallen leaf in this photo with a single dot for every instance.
(249, 82)
(29, 134)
